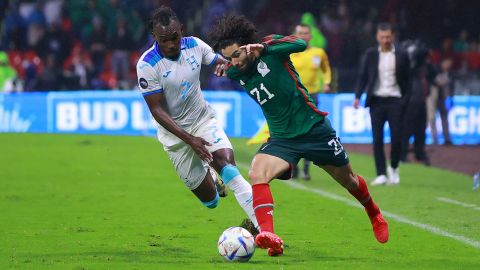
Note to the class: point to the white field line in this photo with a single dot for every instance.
(466, 205)
(398, 218)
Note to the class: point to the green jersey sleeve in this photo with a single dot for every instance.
(282, 45)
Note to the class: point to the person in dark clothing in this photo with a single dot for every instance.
(55, 41)
(441, 100)
(422, 75)
(52, 77)
(121, 44)
(384, 75)
(98, 43)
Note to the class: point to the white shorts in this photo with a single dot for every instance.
(191, 169)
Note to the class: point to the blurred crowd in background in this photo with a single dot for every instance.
(95, 44)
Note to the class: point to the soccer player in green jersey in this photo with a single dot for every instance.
(298, 128)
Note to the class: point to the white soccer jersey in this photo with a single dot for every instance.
(179, 80)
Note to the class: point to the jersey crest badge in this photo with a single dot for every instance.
(262, 68)
(193, 62)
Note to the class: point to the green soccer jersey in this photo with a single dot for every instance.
(275, 85)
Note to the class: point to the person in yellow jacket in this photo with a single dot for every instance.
(312, 65)
(314, 70)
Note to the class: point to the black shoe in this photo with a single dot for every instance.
(247, 224)
(221, 188)
(423, 159)
(426, 161)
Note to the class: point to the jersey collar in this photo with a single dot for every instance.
(157, 48)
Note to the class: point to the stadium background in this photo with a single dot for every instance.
(64, 76)
(92, 46)
(47, 36)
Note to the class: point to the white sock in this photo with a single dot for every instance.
(243, 193)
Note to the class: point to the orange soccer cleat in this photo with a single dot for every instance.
(380, 228)
(271, 241)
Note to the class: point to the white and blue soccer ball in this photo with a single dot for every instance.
(236, 244)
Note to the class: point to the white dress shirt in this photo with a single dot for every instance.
(386, 85)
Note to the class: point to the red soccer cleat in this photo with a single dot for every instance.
(380, 228)
(275, 252)
(271, 241)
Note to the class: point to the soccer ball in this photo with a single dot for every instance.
(236, 244)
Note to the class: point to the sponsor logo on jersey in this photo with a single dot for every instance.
(166, 74)
(262, 68)
(143, 83)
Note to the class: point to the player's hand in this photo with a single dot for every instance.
(256, 48)
(220, 70)
(356, 103)
(198, 145)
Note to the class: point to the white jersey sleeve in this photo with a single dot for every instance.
(148, 79)
(208, 55)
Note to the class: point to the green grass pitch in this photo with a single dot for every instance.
(104, 202)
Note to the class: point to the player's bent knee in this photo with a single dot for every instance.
(229, 172)
(213, 203)
(257, 178)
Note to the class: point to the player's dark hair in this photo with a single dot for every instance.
(230, 29)
(384, 27)
(163, 15)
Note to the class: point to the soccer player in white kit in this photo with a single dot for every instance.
(168, 77)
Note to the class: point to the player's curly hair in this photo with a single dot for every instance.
(163, 16)
(230, 29)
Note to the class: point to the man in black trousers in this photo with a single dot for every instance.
(422, 76)
(384, 75)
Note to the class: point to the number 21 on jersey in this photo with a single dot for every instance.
(255, 92)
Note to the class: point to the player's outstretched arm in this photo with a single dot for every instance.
(156, 103)
(283, 45)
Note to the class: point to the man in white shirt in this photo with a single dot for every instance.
(168, 77)
(384, 76)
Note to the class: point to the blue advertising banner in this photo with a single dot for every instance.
(125, 113)
(354, 126)
(113, 112)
